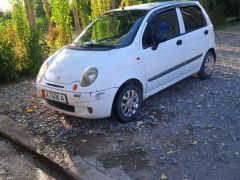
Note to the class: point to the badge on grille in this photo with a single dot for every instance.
(57, 78)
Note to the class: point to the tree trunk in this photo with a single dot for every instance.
(47, 9)
(76, 17)
(113, 4)
(122, 4)
(29, 6)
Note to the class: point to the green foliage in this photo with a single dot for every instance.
(22, 34)
(99, 7)
(84, 10)
(22, 50)
(7, 54)
(38, 51)
(61, 18)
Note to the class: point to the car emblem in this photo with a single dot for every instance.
(57, 78)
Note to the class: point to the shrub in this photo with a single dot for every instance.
(7, 54)
(38, 51)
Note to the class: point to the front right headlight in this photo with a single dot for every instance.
(43, 69)
(89, 76)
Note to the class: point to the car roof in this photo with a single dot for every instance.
(150, 6)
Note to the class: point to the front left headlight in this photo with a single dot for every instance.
(43, 69)
(89, 76)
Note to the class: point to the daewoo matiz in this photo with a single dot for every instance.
(127, 55)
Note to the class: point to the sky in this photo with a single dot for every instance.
(5, 5)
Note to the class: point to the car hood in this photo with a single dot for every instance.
(67, 65)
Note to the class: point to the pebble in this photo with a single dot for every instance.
(120, 140)
(139, 123)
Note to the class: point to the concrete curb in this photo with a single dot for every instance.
(77, 167)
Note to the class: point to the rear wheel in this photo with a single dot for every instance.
(207, 67)
(128, 103)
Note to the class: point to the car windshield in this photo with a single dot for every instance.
(113, 29)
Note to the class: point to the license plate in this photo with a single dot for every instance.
(56, 97)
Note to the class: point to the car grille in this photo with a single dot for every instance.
(54, 85)
(61, 106)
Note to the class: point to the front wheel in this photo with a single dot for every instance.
(128, 103)
(207, 67)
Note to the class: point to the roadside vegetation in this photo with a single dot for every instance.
(34, 29)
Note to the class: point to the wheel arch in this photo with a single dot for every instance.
(213, 51)
(132, 81)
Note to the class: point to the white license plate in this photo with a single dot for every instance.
(56, 97)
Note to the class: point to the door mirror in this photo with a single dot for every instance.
(158, 38)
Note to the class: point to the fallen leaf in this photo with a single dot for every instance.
(169, 152)
(194, 143)
(186, 131)
(237, 153)
(163, 177)
(84, 141)
(29, 110)
(90, 131)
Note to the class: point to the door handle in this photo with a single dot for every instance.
(179, 42)
(206, 32)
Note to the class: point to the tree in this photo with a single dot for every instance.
(60, 17)
(75, 16)
(99, 7)
(84, 11)
(47, 10)
(29, 6)
(22, 33)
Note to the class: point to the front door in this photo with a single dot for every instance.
(165, 64)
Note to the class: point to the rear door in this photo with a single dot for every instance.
(197, 35)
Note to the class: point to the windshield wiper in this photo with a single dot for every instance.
(97, 45)
(89, 46)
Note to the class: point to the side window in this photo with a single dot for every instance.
(193, 18)
(162, 24)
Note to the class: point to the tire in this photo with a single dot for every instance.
(207, 67)
(128, 103)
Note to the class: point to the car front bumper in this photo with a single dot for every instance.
(90, 105)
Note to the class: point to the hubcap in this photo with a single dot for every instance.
(209, 65)
(130, 103)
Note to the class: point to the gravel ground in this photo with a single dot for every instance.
(16, 164)
(187, 131)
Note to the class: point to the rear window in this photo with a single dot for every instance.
(193, 18)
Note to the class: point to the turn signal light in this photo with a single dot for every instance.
(43, 93)
(75, 86)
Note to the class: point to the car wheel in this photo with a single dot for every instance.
(207, 67)
(128, 103)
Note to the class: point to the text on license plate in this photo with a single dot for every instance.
(56, 96)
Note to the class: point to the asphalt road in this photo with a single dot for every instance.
(17, 164)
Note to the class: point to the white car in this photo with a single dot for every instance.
(127, 55)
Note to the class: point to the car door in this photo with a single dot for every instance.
(165, 64)
(197, 36)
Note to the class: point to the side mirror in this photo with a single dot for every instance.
(158, 38)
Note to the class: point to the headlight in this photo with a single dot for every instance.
(89, 76)
(43, 69)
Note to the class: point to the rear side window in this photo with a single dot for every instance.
(193, 18)
(165, 23)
